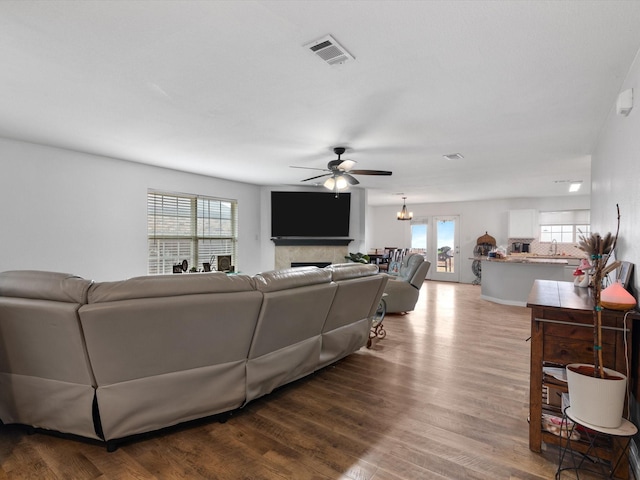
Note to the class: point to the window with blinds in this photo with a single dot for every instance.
(189, 227)
(564, 227)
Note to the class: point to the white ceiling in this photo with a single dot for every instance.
(226, 88)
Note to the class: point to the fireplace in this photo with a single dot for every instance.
(310, 264)
(287, 256)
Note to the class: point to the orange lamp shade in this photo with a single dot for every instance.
(615, 297)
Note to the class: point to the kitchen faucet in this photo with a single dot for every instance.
(553, 248)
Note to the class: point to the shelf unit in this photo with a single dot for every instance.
(562, 333)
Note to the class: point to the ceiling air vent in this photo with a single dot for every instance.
(453, 156)
(330, 51)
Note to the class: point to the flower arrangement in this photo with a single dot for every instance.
(599, 250)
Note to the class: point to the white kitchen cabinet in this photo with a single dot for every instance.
(523, 223)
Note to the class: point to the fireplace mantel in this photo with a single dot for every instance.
(306, 241)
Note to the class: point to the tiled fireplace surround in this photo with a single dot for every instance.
(286, 254)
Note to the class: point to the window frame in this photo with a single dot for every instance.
(575, 231)
(183, 226)
(569, 225)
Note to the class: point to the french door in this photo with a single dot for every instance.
(445, 257)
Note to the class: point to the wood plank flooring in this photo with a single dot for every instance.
(443, 396)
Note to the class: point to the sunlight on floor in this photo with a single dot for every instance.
(444, 321)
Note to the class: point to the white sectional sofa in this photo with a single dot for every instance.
(113, 359)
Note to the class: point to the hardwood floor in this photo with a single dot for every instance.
(443, 396)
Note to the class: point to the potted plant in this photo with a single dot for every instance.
(358, 257)
(597, 393)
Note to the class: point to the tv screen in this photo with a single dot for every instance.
(310, 214)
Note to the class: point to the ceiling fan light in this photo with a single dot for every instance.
(329, 183)
(341, 183)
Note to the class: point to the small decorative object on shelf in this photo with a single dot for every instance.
(581, 274)
(558, 427)
(615, 297)
(181, 267)
(224, 263)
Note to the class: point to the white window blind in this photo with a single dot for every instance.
(566, 217)
(564, 227)
(189, 227)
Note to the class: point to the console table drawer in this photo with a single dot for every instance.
(571, 350)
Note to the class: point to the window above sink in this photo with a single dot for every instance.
(564, 226)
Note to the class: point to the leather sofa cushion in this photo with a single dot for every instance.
(156, 286)
(409, 266)
(287, 278)
(42, 339)
(131, 339)
(58, 287)
(291, 316)
(345, 271)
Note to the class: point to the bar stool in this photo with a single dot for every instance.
(621, 435)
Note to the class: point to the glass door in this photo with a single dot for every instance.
(446, 257)
(419, 236)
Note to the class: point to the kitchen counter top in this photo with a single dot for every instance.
(509, 259)
(544, 259)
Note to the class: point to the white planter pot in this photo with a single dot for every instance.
(597, 401)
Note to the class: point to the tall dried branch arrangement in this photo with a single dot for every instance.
(599, 250)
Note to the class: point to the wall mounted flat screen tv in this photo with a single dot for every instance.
(310, 214)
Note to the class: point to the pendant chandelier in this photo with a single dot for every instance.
(404, 214)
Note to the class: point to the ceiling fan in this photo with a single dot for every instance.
(341, 173)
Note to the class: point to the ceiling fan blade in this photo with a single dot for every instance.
(340, 165)
(347, 165)
(313, 178)
(309, 168)
(370, 172)
(350, 180)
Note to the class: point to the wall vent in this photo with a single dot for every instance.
(329, 50)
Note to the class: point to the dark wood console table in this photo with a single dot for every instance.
(562, 333)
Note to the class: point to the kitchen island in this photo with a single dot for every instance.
(509, 280)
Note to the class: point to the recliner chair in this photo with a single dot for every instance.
(403, 290)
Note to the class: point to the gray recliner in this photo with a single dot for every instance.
(403, 290)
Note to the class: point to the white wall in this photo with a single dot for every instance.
(83, 214)
(615, 174)
(476, 218)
